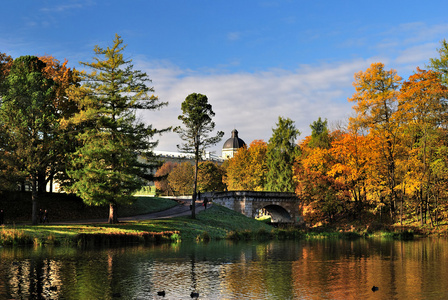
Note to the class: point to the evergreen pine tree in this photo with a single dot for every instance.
(280, 156)
(106, 169)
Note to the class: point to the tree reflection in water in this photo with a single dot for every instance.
(325, 269)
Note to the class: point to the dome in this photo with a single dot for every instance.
(234, 142)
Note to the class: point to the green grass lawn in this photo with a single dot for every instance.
(216, 222)
(145, 205)
(63, 207)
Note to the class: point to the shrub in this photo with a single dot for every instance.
(14, 237)
(233, 235)
(203, 237)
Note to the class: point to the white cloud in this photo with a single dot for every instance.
(415, 55)
(252, 102)
(79, 4)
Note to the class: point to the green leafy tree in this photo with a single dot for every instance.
(105, 168)
(29, 121)
(319, 134)
(196, 117)
(441, 64)
(60, 142)
(281, 153)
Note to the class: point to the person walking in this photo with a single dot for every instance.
(45, 218)
(40, 215)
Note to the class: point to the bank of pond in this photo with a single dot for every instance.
(216, 223)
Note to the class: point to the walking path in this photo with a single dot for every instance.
(182, 209)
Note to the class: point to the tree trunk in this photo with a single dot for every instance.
(34, 197)
(195, 183)
(195, 186)
(42, 185)
(113, 219)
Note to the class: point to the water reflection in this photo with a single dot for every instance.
(222, 270)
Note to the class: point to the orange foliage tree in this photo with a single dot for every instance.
(5, 66)
(394, 154)
(247, 169)
(376, 102)
(325, 197)
(161, 177)
(64, 78)
(180, 179)
(9, 175)
(423, 109)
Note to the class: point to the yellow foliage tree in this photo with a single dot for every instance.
(247, 169)
(376, 102)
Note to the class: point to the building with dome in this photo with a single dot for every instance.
(232, 145)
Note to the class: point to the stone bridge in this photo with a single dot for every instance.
(282, 207)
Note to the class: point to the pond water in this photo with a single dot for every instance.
(322, 269)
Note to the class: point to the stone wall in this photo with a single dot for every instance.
(284, 207)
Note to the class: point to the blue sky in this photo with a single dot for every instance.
(255, 60)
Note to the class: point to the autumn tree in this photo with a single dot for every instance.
(161, 177)
(60, 143)
(355, 160)
(423, 109)
(237, 170)
(196, 118)
(280, 155)
(247, 169)
(9, 174)
(105, 167)
(210, 177)
(64, 143)
(375, 104)
(181, 178)
(6, 62)
(325, 197)
(29, 120)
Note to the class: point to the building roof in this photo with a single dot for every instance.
(234, 142)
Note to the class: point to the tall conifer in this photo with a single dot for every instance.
(106, 168)
(280, 156)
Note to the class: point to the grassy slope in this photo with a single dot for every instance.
(62, 207)
(217, 221)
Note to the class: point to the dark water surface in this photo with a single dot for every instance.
(323, 269)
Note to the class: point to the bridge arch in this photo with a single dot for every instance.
(277, 213)
(283, 207)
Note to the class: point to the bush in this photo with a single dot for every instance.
(236, 235)
(15, 237)
(203, 237)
